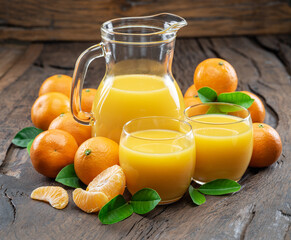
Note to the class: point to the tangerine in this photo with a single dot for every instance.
(189, 101)
(67, 123)
(57, 83)
(191, 92)
(47, 107)
(267, 145)
(217, 74)
(257, 109)
(88, 95)
(51, 151)
(93, 156)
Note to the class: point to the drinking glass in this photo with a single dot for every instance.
(158, 153)
(224, 140)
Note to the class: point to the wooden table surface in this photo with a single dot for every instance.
(261, 210)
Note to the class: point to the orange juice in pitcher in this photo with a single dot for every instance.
(138, 82)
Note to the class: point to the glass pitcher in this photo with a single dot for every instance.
(138, 81)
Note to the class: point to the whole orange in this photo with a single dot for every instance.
(67, 123)
(52, 150)
(95, 155)
(217, 74)
(257, 109)
(191, 92)
(47, 107)
(189, 101)
(267, 145)
(57, 83)
(88, 95)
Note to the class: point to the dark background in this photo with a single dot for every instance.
(80, 20)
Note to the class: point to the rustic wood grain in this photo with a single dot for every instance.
(34, 20)
(261, 210)
(13, 65)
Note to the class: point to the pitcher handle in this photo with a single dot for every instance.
(79, 75)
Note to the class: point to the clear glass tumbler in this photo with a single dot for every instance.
(224, 140)
(158, 153)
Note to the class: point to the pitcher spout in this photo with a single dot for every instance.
(148, 29)
(172, 22)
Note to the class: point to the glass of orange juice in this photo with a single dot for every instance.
(158, 153)
(224, 140)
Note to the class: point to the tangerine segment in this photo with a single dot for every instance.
(89, 201)
(57, 197)
(111, 182)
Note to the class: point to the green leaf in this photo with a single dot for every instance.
(29, 146)
(229, 108)
(196, 196)
(219, 187)
(144, 200)
(207, 94)
(238, 98)
(214, 109)
(68, 177)
(115, 211)
(24, 136)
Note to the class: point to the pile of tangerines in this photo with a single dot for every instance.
(65, 141)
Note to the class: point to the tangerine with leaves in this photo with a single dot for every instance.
(51, 151)
(88, 95)
(67, 123)
(267, 145)
(217, 74)
(47, 107)
(94, 156)
(257, 109)
(107, 185)
(57, 83)
(57, 197)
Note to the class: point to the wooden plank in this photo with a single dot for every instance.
(20, 66)
(80, 20)
(261, 210)
(9, 54)
(14, 66)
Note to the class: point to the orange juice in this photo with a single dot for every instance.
(126, 97)
(223, 146)
(159, 159)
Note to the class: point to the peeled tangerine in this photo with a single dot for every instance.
(101, 190)
(56, 196)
